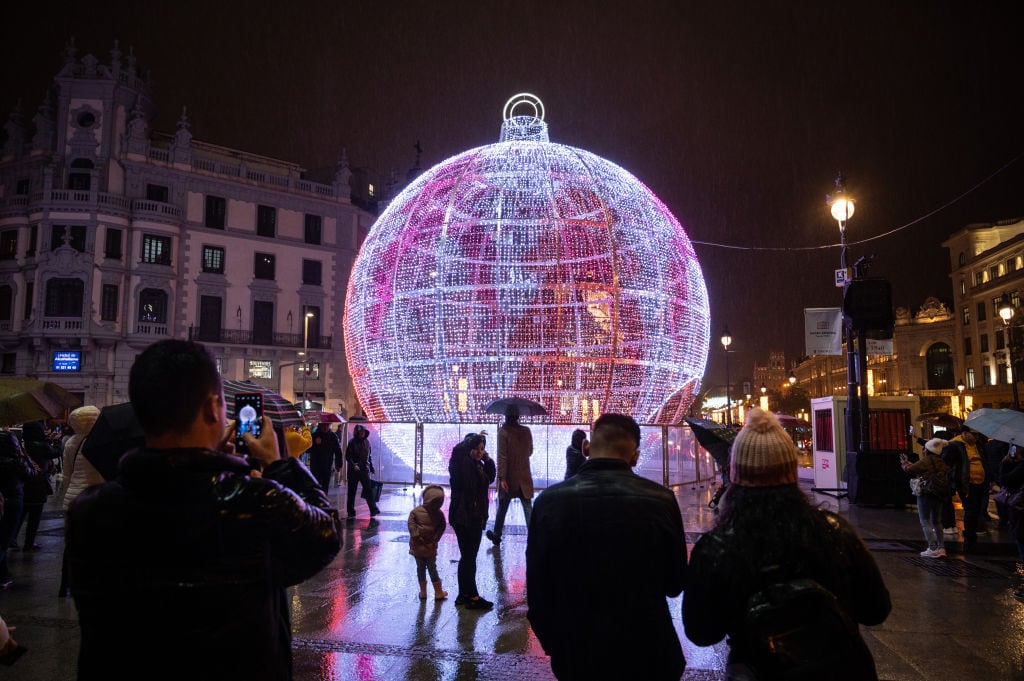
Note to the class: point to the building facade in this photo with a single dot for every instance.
(987, 268)
(113, 236)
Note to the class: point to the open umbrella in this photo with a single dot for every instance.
(1005, 425)
(939, 418)
(714, 437)
(282, 413)
(26, 399)
(526, 407)
(323, 417)
(115, 432)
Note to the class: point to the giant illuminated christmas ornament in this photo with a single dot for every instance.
(530, 269)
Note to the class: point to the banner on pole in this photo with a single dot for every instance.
(823, 331)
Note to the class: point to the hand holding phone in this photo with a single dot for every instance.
(248, 419)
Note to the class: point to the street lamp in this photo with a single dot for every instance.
(841, 207)
(792, 379)
(305, 357)
(726, 342)
(1006, 312)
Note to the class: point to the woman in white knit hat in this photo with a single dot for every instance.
(768, 533)
(932, 475)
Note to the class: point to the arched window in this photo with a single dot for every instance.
(962, 260)
(153, 306)
(80, 177)
(64, 297)
(939, 364)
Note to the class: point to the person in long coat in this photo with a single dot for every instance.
(515, 480)
(324, 455)
(360, 465)
(471, 473)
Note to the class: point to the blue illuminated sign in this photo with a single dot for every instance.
(67, 360)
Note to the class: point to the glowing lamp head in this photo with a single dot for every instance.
(526, 269)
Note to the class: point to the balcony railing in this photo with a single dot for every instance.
(250, 337)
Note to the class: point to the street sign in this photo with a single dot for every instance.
(840, 278)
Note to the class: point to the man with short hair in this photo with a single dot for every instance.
(605, 548)
(178, 567)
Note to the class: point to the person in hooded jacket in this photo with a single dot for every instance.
(426, 527)
(360, 465)
(79, 473)
(179, 566)
(574, 456)
(39, 486)
(324, 455)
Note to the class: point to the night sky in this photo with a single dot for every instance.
(738, 115)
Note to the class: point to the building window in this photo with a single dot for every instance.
(33, 236)
(112, 245)
(6, 303)
(311, 271)
(9, 363)
(968, 350)
(966, 316)
(963, 287)
(266, 221)
(984, 342)
(1015, 300)
(1000, 342)
(153, 306)
(371, 190)
(970, 379)
(21, 189)
(64, 297)
(261, 368)
(108, 303)
(314, 229)
(213, 259)
(216, 212)
(1001, 269)
(9, 244)
(80, 177)
(157, 192)
(986, 376)
(981, 312)
(156, 249)
(264, 266)
(993, 273)
(978, 279)
(996, 302)
(73, 235)
(939, 363)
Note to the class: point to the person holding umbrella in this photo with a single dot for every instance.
(515, 481)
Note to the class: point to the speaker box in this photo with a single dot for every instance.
(868, 304)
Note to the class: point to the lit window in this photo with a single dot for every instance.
(370, 189)
(213, 259)
(156, 249)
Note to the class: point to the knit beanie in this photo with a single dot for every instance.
(763, 454)
(935, 445)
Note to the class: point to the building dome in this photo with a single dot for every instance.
(529, 269)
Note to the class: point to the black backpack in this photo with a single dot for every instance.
(798, 630)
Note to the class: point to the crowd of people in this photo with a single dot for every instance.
(188, 530)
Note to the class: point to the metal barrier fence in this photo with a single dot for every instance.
(417, 453)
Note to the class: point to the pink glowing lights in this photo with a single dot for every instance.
(526, 268)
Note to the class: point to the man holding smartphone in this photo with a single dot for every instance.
(179, 565)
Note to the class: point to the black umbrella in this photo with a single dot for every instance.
(939, 418)
(714, 437)
(116, 431)
(526, 407)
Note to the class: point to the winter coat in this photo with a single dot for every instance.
(955, 456)
(15, 469)
(427, 523)
(930, 466)
(573, 460)
(515, 447)
(357, 453)
(725, 572)
(469, 481)
(606, 526)
(79, 472)
(179, 567)
(325, 453)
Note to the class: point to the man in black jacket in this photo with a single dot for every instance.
(604, 550)
(178, 567)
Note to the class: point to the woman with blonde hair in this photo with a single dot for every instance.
(79, 473)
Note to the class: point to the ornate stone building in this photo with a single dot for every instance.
(113, 236)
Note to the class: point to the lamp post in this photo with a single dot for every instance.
(764, 397)
(1006, 312)
(726, 342)
(841, 206)
(305, 357)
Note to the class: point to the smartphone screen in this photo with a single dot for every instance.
(249, 416)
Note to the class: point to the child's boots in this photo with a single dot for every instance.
(439, 593)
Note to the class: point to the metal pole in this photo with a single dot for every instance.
(1013, 374)
(728, 396)
(852, 401)
(305, 358)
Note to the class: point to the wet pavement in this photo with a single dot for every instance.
(361, 619)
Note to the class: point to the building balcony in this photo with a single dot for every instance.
(251, 337)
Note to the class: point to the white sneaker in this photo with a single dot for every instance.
(927, 553)
(939, 553)
(951, 531)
